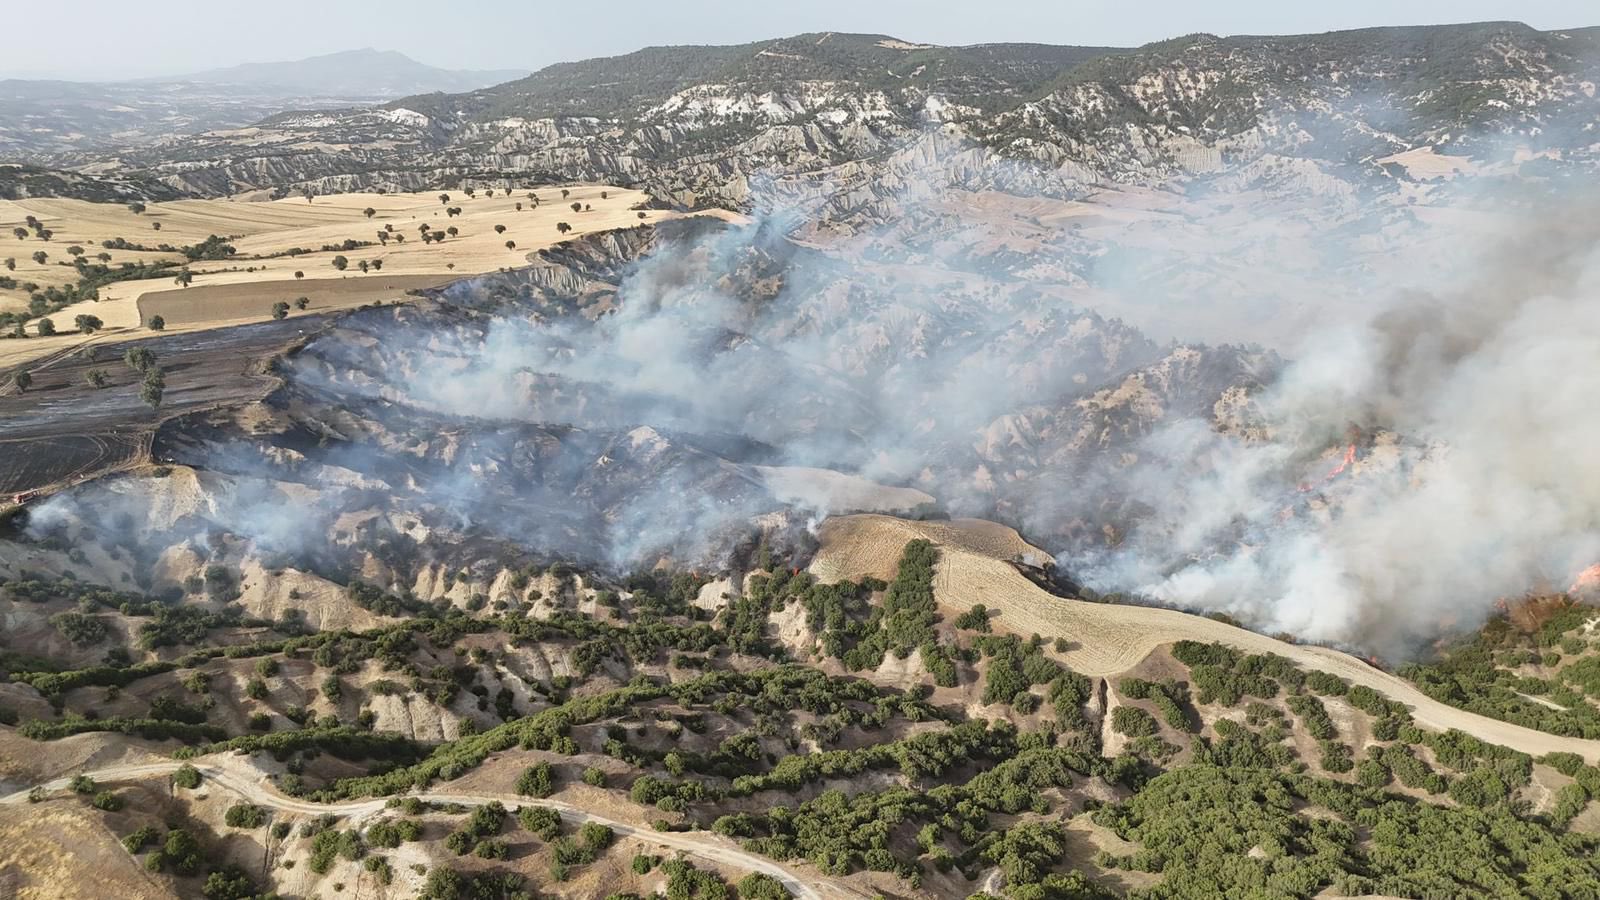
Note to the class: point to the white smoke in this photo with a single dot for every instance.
(1474, 479)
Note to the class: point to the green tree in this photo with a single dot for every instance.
(88, 324)
(39, 256)
(760, 886)
(369, 212)
(136, 207)
(230, 883)
(280, 310)
(341, 263)
(537, 780)
(158, 323)
(96, 378)
(139, 358)
(23, 381)
(245, 815)
(153, 388)
(46, 327)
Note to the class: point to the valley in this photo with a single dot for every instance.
(827, 466)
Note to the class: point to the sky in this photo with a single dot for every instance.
(111, 40)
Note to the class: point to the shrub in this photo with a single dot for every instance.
(540, 820)
(974, 619)
(595, 836)
(245, 815)
(140, 839)
(1133, 722)
(536, 781)
(109, 801)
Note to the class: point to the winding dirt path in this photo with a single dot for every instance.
(1110, 638)
(260, 792)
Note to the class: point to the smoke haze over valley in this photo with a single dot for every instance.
(828, 466)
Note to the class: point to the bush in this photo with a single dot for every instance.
(140, 839)
(974, 619)
(760, 886)
(108, 801)
(540, 820)
(595, 836)
(1371, 774)
(536, 781)
(1567, 764)
(1133, 722)
(245, 815)
(186, 776)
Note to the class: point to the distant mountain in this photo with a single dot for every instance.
(66, 122)
(834, 112)
(365, 72)
(858, 119)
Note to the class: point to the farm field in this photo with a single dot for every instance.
(263, 233)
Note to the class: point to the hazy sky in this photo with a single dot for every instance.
(104, 39)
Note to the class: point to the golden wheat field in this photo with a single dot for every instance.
(245, 287)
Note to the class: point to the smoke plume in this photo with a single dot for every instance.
(1468, 416)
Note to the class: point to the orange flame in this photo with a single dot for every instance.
(1305, 487)
(1349, 457)
(1587, 580)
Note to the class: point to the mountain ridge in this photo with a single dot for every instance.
(387, 72)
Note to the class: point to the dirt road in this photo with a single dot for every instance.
(259, 791)
(1109, 638)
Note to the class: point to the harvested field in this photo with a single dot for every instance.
(67, 852)
(275, 240)
(63, 429)
(29, 464)
(854, 546)
(1107, 639)
(212, 304)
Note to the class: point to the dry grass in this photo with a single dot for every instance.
(211, 305)
(223, 292)
(64, 850)
(1108, 639)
